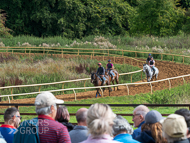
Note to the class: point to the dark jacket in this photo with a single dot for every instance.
(68, 125)
(145, 137)
(101, 71)
(148, 59)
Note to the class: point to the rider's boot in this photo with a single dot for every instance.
(102, 82)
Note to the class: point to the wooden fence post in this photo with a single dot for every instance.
(84, 84)
(122, 53)
(102, 92)
(12, 92)
(131, 78)
(127, 89)
(63, 87)
(161, 57)
(151, 88)
(25, 50)
(75, 95)
(78, 52)
(135, 54)
(172, 58)
(108, 52)
(169, 84)
(39, 88)
(103, 57)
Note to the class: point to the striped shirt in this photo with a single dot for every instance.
(51, 131)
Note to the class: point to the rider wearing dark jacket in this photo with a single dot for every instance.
(110, 68)
(101, 72)
(149, 58)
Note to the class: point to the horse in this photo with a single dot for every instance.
(97, 81)
(149, 72)
(115, 77)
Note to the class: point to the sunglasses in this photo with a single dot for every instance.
(18, 117)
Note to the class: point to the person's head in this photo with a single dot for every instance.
(151, 58)
(46, 104)
(139, 114)
(12, 117)
(121, 126)
(81, 116)
(62, 114)
(174, 128)
(149, 55)
(99, 64)
(100, 119)
(109, 61)
(152, 123)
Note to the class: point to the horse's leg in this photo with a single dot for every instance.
(113, 84)
(117, 81)
(97, 93)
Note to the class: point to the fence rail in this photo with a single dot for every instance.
(87, 105)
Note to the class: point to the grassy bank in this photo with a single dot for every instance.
(18, 70)
(175, 95)
(176, 44)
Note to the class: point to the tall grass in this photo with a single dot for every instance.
(17, 70)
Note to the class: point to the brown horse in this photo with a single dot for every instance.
(96, 80)
(114, 78)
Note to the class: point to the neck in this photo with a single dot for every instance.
(8, 123)
(50, 115)
(81, 124)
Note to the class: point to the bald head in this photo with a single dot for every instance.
(81, 116)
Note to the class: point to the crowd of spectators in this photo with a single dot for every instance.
(98, 124)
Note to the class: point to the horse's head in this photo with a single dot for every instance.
(93, 77)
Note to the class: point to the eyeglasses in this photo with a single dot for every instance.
(18, 117)
(135, 115)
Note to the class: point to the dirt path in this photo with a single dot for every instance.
(167, 70)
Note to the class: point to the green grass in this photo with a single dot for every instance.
(178, 94)
(23, 70)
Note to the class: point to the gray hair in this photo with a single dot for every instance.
(45, 110)
(171, 139)
(121, 125)
(142, 110)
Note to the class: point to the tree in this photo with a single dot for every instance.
(156, 17)
(4, 31)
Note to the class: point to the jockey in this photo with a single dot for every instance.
(110, 68)
(101, 72)
(149, 58)
(152, 64)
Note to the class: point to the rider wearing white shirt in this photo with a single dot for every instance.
(152, 64)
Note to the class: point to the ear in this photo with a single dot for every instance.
(141, 117)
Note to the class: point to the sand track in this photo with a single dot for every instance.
(167, 70)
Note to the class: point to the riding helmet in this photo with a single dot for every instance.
(152, 57)
(149, 54)
(99, 64)
(109, 60)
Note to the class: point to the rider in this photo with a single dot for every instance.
(101, 72)
(110, 68)
(152, 64)
(149, 58)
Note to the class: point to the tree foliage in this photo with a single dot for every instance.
(70, 18)
(156, 17)
(4, 31)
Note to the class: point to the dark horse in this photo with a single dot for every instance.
(96, 80)
(115, 77)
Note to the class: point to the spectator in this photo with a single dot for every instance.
(122, 131)
(152, 129)
(11, 122)
(99, 122)
(63, 117)
(186, 114)
(139, 114)
(43, 129)
(2, 140)
(80, 132)
(175, 129)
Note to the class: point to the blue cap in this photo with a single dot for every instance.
(153, 117)
(149, 54)
(109, 60)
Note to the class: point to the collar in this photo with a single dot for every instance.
(8, 126)
(141, 124)
(80, 128)
(105, 136)
(45, 117)
(123, 136)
